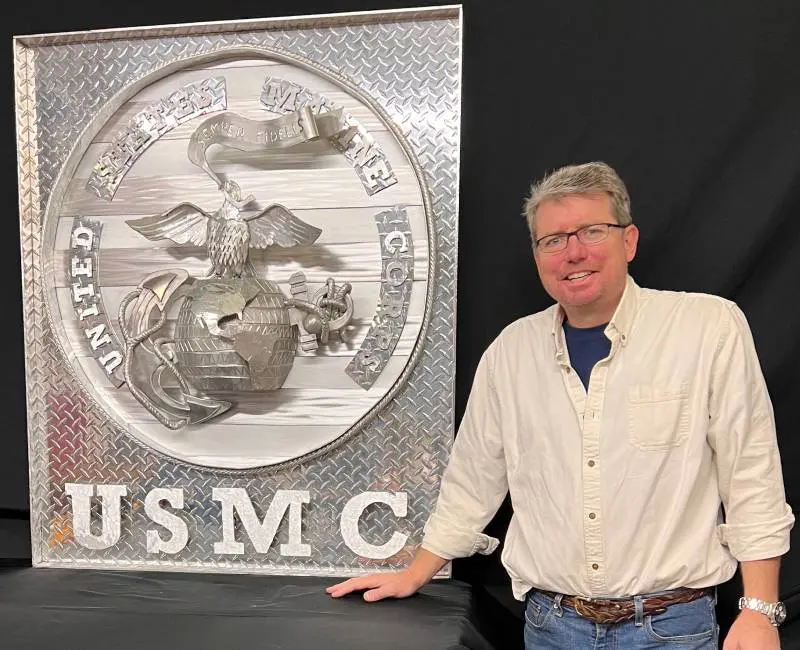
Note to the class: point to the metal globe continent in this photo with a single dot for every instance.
(251, 353)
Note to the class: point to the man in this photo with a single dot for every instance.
(621, 420)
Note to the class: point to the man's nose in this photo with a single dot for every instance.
(576, 250)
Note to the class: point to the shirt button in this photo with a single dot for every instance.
(591, 463)
(592, 515)
(595, 566)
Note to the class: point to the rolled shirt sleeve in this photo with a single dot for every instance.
(474, 483)
(743, 436)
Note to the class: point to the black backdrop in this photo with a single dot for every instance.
(697, 104)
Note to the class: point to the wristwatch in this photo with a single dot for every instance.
(775, 612)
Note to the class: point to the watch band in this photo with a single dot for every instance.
(775, 612)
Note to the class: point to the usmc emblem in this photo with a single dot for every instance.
(235, 332)
(243, 255)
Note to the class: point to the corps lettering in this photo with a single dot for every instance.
(396, 278)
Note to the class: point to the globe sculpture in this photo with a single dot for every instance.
(249, 349)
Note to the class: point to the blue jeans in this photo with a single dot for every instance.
(549, 625)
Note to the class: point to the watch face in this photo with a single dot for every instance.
(780, 613)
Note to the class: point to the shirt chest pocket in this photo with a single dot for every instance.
(658, 416)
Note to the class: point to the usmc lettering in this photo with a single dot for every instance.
(161, 504)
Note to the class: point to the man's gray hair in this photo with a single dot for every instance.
(574, 180)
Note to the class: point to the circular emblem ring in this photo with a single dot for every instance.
(239, 258)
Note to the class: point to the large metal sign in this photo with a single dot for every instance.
(239, 263)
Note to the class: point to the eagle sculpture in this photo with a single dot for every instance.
(227, 234)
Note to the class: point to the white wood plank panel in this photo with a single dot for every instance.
(345, 263)
(338, 225)
(284, 407)
(169, 157)
(365, 299)
(295, 188)
(358, 329)
(247, 105)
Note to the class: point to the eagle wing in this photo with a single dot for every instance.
(183, 224)
(277, 225)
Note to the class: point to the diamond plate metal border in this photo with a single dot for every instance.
(406, 445)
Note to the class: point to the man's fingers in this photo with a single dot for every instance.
(379, 593)
(344, 587)
(375, 586)
(351, 585)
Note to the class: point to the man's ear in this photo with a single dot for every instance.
(631, 241)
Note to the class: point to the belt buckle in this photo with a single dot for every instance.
(583, 607)
(579, 607)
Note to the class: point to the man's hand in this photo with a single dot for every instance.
(399, 584)
(752, 631)
(378, 586)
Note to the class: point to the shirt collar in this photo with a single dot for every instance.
(620, 324)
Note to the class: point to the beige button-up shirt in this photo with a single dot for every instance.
(616, 490)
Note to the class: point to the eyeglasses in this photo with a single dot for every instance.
(589, 235)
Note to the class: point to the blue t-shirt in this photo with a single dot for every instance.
(586, 345)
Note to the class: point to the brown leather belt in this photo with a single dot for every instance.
(617, 610)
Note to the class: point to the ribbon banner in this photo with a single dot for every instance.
(244, 134)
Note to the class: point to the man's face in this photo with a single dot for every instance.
(584, 277)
